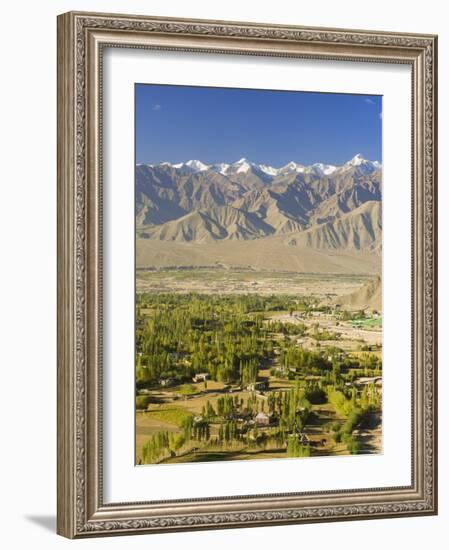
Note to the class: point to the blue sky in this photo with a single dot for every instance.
(179, 123)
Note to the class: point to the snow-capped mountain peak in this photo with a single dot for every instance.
(361, 164)
(221, 167)
(197, 165)
(269, 169)
(322, 169)
(293, 167)
(357, 160)
(242, 165)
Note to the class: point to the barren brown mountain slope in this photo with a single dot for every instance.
(360, 229)
(368, 296)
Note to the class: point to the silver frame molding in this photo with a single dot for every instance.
(81, 39)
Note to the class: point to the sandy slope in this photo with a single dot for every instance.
(271, 253)
(369, 295)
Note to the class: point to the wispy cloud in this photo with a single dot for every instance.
(368, 100)
(157, 107)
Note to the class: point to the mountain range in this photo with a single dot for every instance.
(321, 208)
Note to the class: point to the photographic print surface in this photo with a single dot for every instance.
(258, 274)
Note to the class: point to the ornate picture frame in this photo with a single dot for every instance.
(82, 38)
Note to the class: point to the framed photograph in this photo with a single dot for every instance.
(246, 274)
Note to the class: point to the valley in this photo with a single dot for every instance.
(258, 311)
(246, 365)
